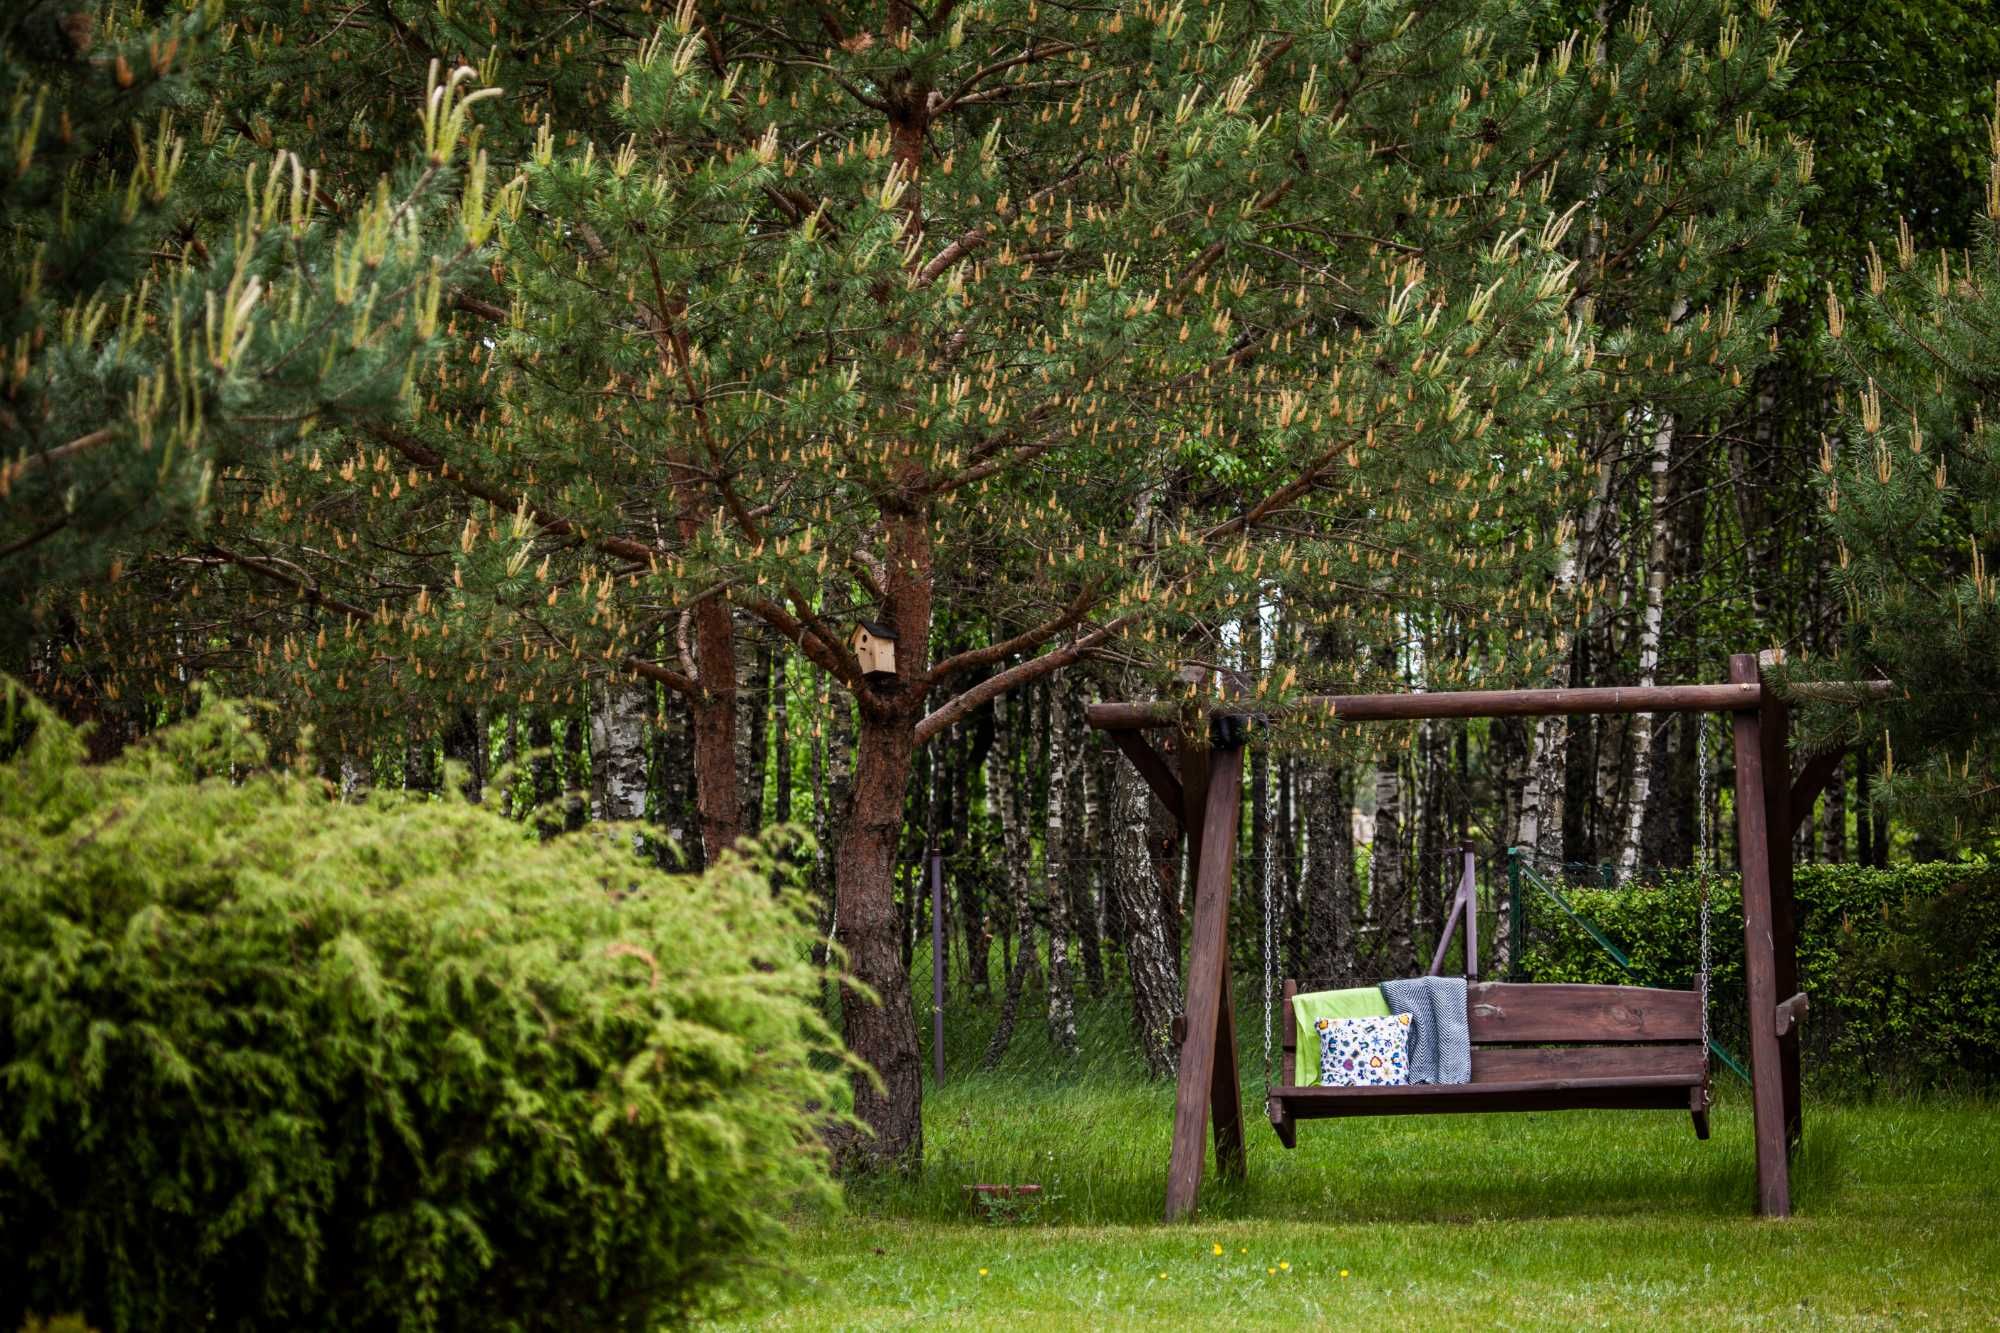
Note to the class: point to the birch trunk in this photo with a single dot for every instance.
(1004, 781)
(1056, 892)
(1652, 618)
(618, 713)
(1542, 794)
(1152, 961)
(1086, 819)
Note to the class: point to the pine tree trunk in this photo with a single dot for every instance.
(1152, 961)
(1652, 619)
(618, 713)
(715, 773)
(882, 1031)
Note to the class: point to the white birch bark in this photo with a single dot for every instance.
(1652, 618)
(1055, 891)
(618, 712)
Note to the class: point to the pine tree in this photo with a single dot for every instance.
(1911, 478)
(180, 302)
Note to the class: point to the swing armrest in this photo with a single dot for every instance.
(1790, 1012)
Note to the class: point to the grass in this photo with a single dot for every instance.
(1580, 1219)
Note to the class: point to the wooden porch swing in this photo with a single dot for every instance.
(1535, 1047)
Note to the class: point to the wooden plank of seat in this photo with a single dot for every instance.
(1647, 1092)
(1539, 1064)
(1539, 1012)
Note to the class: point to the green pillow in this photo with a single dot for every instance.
(1308, 1009)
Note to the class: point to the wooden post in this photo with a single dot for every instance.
(1225, 1088)
(1208, 1052)
(1470, 889)
(1753, 832)
(1288, 1047)
(1774, 723)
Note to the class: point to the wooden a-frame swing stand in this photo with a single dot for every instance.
(1204, 790)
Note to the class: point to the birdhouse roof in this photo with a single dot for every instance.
(878, 629)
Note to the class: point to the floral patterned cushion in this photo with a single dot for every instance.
(1364, 1052)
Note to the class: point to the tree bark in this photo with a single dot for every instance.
(1329, 878)
(717, 801)
(1388, 885)
(781, 713)
(1652, 619)
(1152, 961)
(1087, 818)
(619, 710)
(576, 778)
(751, 739)
(881, 1030)
(544, 781)
(1056, 888)
(1004, 785)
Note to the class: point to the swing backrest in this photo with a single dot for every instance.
(1544, 1032)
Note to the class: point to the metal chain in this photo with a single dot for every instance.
(1702, 870)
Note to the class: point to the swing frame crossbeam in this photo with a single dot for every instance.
(1202, 786)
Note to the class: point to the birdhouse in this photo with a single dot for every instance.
(875, 646)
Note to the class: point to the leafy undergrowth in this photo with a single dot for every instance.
(1584, 1219)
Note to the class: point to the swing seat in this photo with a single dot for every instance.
(1537, 1047)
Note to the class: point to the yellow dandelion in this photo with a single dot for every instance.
(1343, 1272)
(1163, 1275)
(1272, 1271)
(1285, 1264)
(1243, 1249)
(982, 1273)
(1217, 1247)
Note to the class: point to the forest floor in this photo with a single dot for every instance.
(1573, 1220)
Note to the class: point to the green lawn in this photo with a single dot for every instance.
(1583, 1219)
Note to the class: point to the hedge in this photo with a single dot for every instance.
(270, 1060)
(1902, 966)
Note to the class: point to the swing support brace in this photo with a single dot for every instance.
(1206, 795)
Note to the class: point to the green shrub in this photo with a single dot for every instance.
(1902, 966)
(267, 1060)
